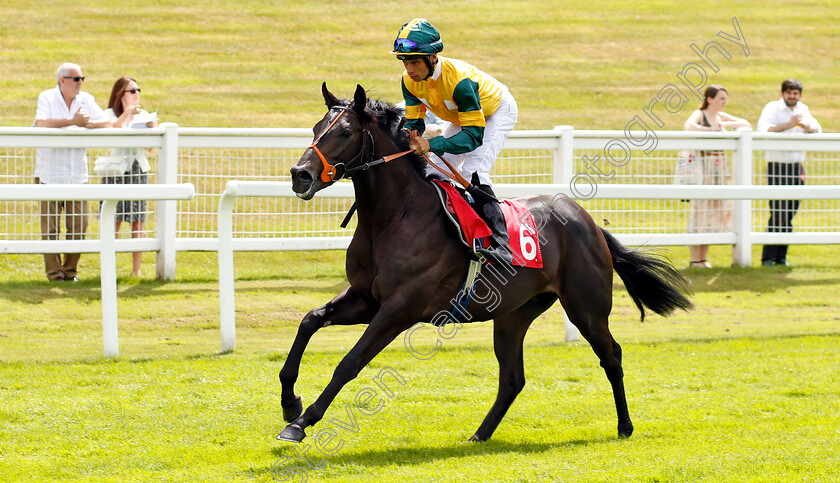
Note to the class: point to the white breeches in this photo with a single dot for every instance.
(498, 128)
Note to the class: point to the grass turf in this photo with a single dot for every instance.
(741, 389)
(260, 63)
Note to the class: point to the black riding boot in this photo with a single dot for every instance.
(490, 211)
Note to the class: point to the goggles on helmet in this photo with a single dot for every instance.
(408, 46)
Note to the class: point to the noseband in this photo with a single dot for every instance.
(330, 172)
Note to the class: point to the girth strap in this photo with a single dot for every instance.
(462, 300)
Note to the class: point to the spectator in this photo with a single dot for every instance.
(711, 215)
(785, 115)
(125, 112)
(481, 112)
(65, 106)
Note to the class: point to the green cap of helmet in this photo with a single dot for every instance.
(415, 38)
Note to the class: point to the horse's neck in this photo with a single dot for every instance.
(384, 192)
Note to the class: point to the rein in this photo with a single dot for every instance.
(367, 166)
(455, 175)
(330, 171)
(452, 174)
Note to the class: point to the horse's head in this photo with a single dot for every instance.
(340, 140)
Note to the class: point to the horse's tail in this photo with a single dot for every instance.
(650, 279)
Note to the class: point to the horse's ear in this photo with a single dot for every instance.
(360, 101)
(329, 99)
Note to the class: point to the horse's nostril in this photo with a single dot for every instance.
(304, 177)
(299, 173)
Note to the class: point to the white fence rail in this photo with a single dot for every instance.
(741, 237)
(631, 173)
(210, 157)
(110, 195)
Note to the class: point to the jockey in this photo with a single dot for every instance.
(481, 112)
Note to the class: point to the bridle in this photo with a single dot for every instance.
(330, 172)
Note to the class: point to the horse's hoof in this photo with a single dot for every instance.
(293, 434)
(476, 439)
(625, 430)
(292, 411)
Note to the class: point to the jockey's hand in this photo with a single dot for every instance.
(417, 144)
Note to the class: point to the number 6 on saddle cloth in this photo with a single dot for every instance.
(524, 239)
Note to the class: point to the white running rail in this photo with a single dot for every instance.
(110, 195)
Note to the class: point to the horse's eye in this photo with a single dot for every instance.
(347, 133)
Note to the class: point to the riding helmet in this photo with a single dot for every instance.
(415, 38)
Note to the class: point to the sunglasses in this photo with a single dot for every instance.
(75, 79)
(133, 91)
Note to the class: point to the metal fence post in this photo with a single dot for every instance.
(742, 213)
(167, 210)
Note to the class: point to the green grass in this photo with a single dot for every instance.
(741, 389)
(705, 410)
(744, 388)
(260, 63)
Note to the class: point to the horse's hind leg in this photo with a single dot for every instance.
(611, 362)
(508, 334)
(590, 316)
(345, 309)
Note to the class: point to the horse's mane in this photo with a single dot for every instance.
(390, 120)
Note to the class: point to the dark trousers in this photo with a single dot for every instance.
(782, 211)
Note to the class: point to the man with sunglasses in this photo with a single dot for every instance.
(65, 106)
(481, 112)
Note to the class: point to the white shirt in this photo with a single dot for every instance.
(139, 120)
(777, 112)
(64, 165)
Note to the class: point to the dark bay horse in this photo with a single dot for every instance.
(405, 266)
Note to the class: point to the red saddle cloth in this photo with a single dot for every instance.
(524, 240)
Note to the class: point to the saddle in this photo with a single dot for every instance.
(473, 232)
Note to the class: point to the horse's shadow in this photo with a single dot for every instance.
(750, 279)
(90, 290)
(421, 454)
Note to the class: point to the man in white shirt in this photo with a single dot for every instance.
(65, 106)
(785, 115)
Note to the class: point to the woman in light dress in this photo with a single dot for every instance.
(706, 216)
(125, 112)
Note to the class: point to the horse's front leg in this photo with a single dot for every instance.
(347, 308)
(384, 328)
